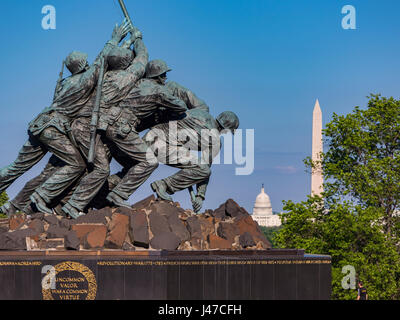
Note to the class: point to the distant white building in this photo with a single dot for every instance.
(262, 212)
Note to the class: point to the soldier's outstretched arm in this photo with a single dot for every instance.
(73, 91)
(191, 100)
(140, 50)
(207, 157)
(202, 188)
(169, 101)
(197, 202)
(137, 69)
(118, 34)
(117, 85)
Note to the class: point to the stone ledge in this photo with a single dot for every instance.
(244, 254)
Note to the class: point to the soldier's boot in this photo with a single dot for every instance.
(116, 200)
(40, 203)
(8, 209)
(160, 187)
(59, 211)
(71, 211)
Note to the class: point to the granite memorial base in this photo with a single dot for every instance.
(165, 275)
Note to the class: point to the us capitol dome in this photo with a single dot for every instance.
(262, 212)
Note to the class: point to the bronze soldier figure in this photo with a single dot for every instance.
(194, 171)
(50, 131)
(121, 115)
(125, 68)
(193, 132)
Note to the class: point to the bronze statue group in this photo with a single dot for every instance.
(97, 115)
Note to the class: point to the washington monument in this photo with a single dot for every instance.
(317, 179)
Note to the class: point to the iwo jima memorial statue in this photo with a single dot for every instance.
(76, 207)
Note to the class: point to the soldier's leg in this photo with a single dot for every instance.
(100, 200)
(22, 201)
(192, 171)
(58, 203)
(60, 145)
(91, 183)
(190, 175)
(30, 154)
(143, 164)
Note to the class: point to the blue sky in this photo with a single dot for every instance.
(266, 60)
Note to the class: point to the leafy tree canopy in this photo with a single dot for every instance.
(357, 222)
(3, 198)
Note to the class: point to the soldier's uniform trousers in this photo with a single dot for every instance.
(192, 172)
(22, 200)
(51, 140)
(97, 175)
(128, 148)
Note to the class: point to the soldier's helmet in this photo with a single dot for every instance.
(229, 121)
(156, 68)
(76, 62)
(119, 58)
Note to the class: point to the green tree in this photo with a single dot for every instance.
(363, 158)
(270, 233)
(348, 234)
(3, 200)
(357, 222)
